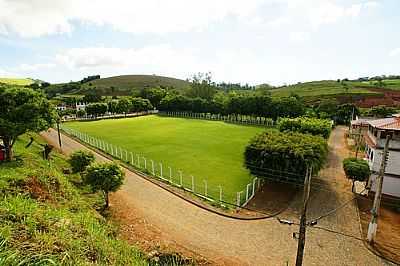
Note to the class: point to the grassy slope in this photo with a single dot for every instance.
(16, 81)
(208, 150)
(323, 88)
(124, 84)
(45, 220)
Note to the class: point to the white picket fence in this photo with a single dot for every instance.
(160, 170)
(237, 119)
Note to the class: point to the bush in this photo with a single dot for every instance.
(285, 156)
(356, 170)
(80, 160)
(106, 177)
(306, 125)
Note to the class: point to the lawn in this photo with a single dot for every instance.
(208, 150)
(16, 81)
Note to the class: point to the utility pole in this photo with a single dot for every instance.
(58, 130)
(373, 225)
(358, 141)
(303, 218)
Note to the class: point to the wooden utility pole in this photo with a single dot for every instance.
(58, 131)
(303, 218)
(373, 225)
(358, 141)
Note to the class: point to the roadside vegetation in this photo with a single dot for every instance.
(50, 218)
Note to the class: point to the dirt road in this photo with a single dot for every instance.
(264, 242)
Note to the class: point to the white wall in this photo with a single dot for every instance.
(391, 185)
(393, 165)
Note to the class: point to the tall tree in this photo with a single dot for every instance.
(22, 110)
(202, 86)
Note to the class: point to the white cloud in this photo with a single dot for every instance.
(35, 67)
(395, 52)
(299, 36)
(33, 18)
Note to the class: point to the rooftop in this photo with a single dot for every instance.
(391, 123)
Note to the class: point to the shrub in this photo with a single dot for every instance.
(80, 160)
(313, 126)
(106, 177)
(356, 170)
(281, 155)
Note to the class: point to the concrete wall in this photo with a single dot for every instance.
(393, 165)
(391, 185)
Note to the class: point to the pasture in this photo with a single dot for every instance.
(211, 151)
(16, 81)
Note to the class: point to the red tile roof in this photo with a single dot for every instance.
(392, 123)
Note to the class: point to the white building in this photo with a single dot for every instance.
(80, 106)
(375, 139)
(61, 107)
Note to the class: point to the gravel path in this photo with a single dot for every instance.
(264, 242)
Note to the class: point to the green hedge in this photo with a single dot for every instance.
(356, 169)
(281, 155)
(313, 126)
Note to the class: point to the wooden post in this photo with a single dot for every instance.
(303, 219)
(373, 225)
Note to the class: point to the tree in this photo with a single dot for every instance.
(22, 110)
(154, 95)
(201, 86)
(281, 155)
(107, 178)
(356, 170)
(313, 126)
(96, 109)
(79, 160)
(124, 106)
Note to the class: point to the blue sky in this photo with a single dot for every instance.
(252, 41)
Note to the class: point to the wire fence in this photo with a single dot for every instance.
(162, 171)
(233, 118)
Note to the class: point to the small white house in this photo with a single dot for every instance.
(61, 107)
(80, 106)
(375, 139)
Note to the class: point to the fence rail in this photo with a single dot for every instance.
(159, 170)
(111, 116)
(237, 119)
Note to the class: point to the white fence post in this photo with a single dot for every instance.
(152, 167)
(220, 193)
(193, 184)
(120, 151)
(138, 160)
(205, 187)
(131, 158)
(238, 198)
(126, 156)
(247, 192)
(170, 174)
(254, 185)
(181, 177)
(161, 172)
(145, 163)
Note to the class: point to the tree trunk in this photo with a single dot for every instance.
(8, 149)
(107, 200)
(352, 187)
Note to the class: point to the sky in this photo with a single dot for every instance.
(247, 41)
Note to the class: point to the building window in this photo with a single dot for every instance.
(372, 156)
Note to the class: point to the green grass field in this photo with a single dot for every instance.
(16, 81)
(208, 150)
(322, 88)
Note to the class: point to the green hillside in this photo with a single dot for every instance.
(17, 81)
(123, 85)
(323, 88)
(48, 217)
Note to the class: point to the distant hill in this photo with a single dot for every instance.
(123, 85)
(17, 81)
(364, 93)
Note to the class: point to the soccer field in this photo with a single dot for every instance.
(209, 151)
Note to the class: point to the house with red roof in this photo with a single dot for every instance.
(375, 139)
